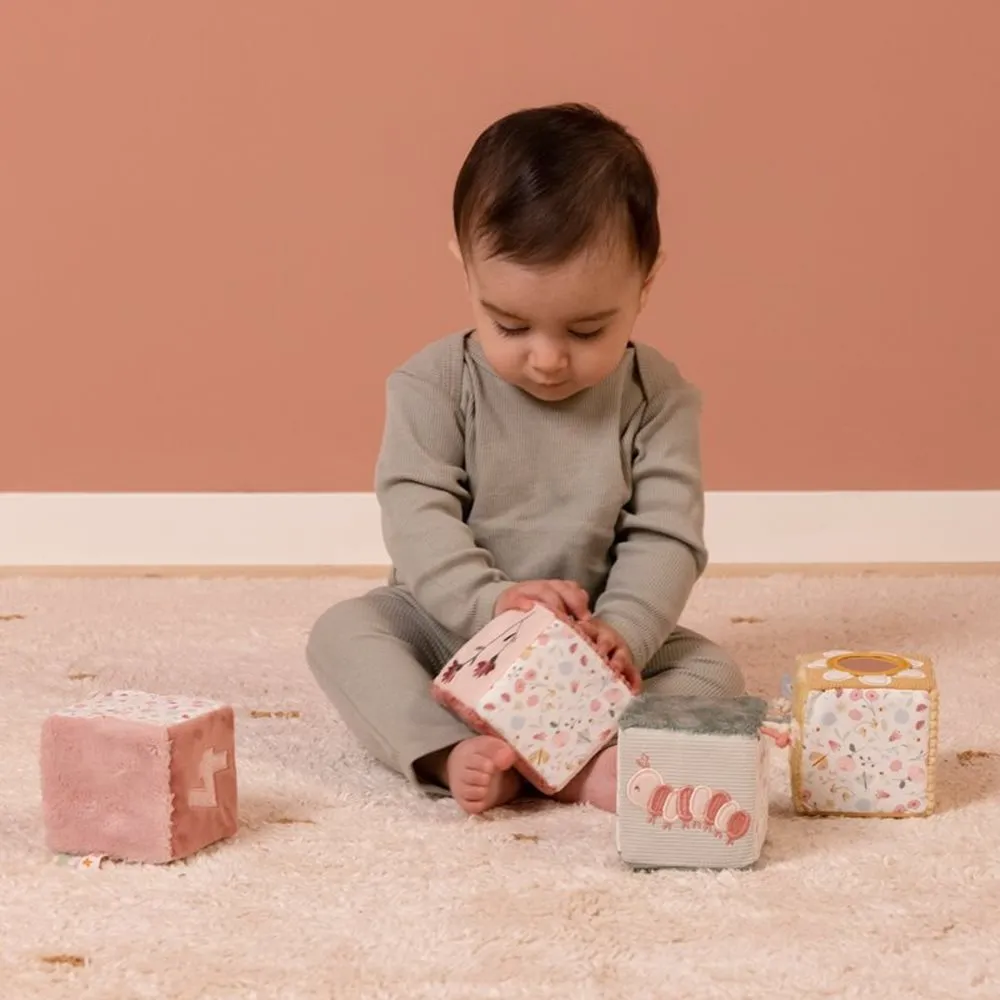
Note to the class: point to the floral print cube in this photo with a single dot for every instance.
(532, 680)
(866, 728)
(692, 782)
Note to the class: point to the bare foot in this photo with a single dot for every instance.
(597, 784)
(480, 774)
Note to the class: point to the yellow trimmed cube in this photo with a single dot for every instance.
(866, 726)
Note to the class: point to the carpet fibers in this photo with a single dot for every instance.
(344, 883)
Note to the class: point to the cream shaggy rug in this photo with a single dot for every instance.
(344, 883)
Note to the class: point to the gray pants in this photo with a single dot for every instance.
(374, 657)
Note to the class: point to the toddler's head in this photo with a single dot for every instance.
(555, 214)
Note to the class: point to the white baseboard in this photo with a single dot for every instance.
(342, 529)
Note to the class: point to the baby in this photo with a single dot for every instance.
(541, 457)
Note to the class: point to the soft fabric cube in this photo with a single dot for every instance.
(139, 777)
(535, 682)
(692, 782)
(865, 734)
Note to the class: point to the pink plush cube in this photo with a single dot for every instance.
(535, 682)
(139, 777)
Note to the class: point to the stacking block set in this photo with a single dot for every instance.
(693, 773)
(150, 778)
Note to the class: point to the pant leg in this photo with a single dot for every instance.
(374, 657)
(690, 664)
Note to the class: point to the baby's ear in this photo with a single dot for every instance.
(456, 252)
(648, 283)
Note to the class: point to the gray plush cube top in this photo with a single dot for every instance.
(696, 715)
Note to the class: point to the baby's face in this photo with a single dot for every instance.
(554, 331)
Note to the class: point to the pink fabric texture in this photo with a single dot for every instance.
(195, 767)
(137, 790)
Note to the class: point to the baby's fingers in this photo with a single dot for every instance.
(606, 645)
(633, 678)
(598, 637)
(521, 603)
(574, 597)
(622, 664)
(549, 596)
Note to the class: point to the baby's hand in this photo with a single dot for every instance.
(564, 598)
(613, 647)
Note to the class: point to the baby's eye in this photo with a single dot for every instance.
(509, 331)
(587, 334)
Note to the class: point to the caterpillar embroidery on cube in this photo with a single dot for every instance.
(692, 807)
(692, 782)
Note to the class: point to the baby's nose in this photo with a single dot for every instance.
(548, 360)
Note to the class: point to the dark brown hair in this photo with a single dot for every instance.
(540, 185)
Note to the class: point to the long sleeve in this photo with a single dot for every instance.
(421, 486)
(659, 550)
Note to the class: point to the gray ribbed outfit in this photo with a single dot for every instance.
(482, 486)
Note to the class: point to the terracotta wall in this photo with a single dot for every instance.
(222, 223)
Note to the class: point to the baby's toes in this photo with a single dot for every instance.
(475, 778)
